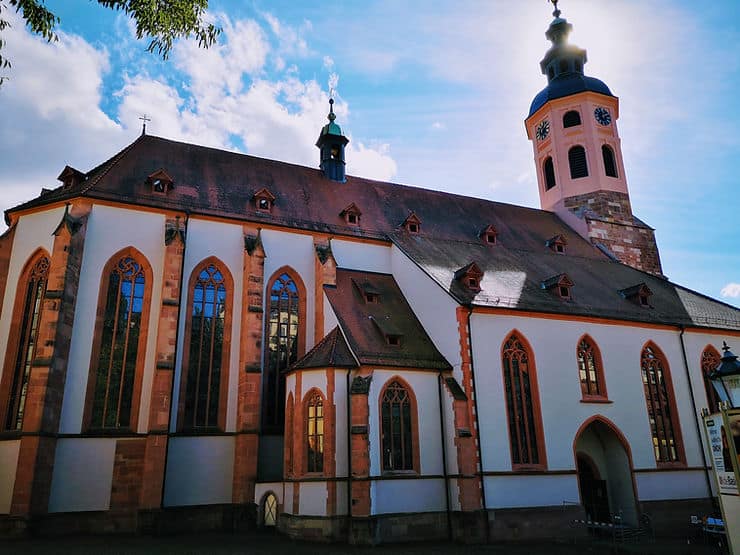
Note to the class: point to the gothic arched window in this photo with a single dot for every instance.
(283, 344)
(549, 174)
(710, 359)
(118, 357)
(664, 426)
(315, 433)
(571, 119)
(522, 404)
(206, 354)
(22, 344)
(590, 369)
(577, 161)
(398, 426)
(610, 164)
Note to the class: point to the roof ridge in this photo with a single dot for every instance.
(112, 161)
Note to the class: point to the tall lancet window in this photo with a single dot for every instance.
(522, 403)
(710, 359)
(315, 433)
(30, 305)
(397, 413)
(207, 352)
(282, 346)
(660, 405)
(120, 343)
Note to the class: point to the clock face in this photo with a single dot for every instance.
(602, 115)
(543, 130)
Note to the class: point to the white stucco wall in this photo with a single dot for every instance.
(414, 496)
(108, 231)
(313, 498)
(8, 464)
(200, 471)
(33, 231)
(657, 486)
(83, 471)
(520, 490)
(362, 256)
(340, 402)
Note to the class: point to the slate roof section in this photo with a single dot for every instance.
(513, 277)
(364, 324)
(331, 352)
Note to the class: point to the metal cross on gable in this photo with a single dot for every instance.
(144, 119)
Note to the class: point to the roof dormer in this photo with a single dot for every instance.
(160, 182)
(370, 294)
(263, 200)
(556, 244)
(351, 215)
(488, 234)
(470, 276)
(412, 223)
(71, 177)
(391, 333)
(560, 285)
(639, 294)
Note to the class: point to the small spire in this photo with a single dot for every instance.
(332, 116)
(556, 13)
(144, 119)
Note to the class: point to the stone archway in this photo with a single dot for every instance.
(604, 465)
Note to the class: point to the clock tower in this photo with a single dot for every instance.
(572, 124)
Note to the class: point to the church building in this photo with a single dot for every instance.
(197, 339)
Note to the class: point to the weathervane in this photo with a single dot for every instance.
(144, 119)
(556, 13)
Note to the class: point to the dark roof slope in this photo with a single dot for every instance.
(366, 324)
(330, 352)
(513, 277)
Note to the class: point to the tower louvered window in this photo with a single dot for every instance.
(610, 165)
(281, 348)
(523, 417)
(549, 174)
(396, 439)
(658, 396)
(28, 334)
(577, 161)
(206, 349)
(115, 373)
(571, 119)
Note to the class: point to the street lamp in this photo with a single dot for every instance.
(726, 378)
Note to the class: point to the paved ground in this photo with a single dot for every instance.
(267, 544)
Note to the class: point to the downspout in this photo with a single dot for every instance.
(696, 417)
(477, 427)
(443, 436)
(174, 357)
(349, 461)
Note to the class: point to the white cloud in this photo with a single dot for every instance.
(731, 290)
(438, 126)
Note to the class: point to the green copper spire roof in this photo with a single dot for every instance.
(331, 128)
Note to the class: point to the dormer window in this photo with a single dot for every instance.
(160, 182)
(393, 340)
(370, 294)
(488, 234)
(412, 223)
(561, 285)
(470, 276)
(351, 215)
(391, 333)
(264, 200)
(71, 177)
(639, 294)
(557, 244)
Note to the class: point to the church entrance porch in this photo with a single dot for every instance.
(604, 466)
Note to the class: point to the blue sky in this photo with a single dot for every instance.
(431, 94)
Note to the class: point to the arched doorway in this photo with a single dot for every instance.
(604, 466)
(269, 510)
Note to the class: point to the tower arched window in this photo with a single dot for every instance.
(206, 354)
(522, 404)
(664, 426)
(577, 162)
(710, 359)
(571, 119)
(315, 433)
(398, 428)
(283, 344)
(610, 164)
(21, 348)
(549, 170)
(120, 342)
(590, 370)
